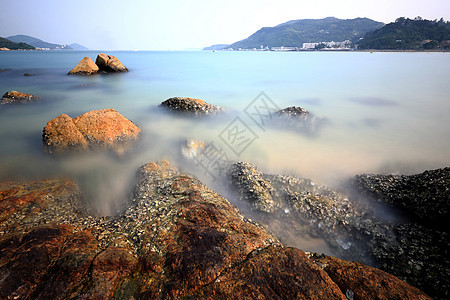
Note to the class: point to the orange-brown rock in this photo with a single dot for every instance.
(274, 273)
(96, 129)
(17, 97)
(177, 239)
(61, 134)
(85, 67)
(109, 63)
(364, 282)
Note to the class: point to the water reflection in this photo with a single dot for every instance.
(373, 101)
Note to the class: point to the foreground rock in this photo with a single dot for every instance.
(190, 106)
(18, 97)
(85, 67)
(109, 63)
(299, 207)
(358, 281)
(98, 129)
(425, 196)
(178, 239)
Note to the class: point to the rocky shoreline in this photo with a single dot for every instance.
(177, 239)
(408, 249)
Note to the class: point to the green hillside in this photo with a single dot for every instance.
(407, 34)
(36, 42)
(4, 43)
(296, 32)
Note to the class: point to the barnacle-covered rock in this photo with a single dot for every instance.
(190, 106)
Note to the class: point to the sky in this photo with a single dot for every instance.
(185, 24)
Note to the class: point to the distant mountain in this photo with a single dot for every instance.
(5, 43)
(407, 34)
(216, 47)
(37, 42)
(296, 32)
(76, 46)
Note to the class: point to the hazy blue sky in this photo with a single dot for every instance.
(177, 24)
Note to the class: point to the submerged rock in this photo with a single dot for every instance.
(18, 97)
(177, 239)
(109, 63)
(296, 206)
(85, 67)
(192, 148)
(98, 129)
(190, 106)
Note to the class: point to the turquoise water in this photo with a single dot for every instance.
(384, 112)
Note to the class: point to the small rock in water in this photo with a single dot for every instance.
(190, 106)
(18, 97)
(299, 119)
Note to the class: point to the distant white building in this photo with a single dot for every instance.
(308, 46)
(336, 45)
(282, 48)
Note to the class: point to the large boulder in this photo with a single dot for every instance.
(85, 67)
(109, 63)
(98, 129)
(190, 106)
(177, 239)
(17, 97)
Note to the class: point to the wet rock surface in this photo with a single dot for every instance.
(177, 239)
(190, 106)
(252, 187)
(18, 97)
(86, 66)
(424, 196)
(98, 129)
(109, 63)
(406, 249)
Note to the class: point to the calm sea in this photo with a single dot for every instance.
(380, 112)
